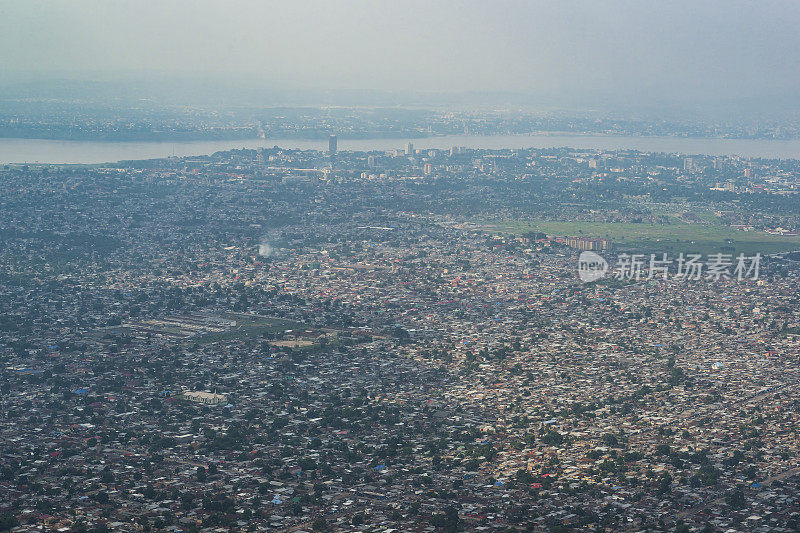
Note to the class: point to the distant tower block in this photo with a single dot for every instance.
(332, 144)
(409, 149)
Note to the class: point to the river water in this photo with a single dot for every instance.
(91, 152)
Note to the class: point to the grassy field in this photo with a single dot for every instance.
(670, 238)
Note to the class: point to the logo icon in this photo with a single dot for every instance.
(591, 266)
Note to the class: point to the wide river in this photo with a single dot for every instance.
(89, 152)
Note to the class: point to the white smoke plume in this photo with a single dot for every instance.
(265, 250)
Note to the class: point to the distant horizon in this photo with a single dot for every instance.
(712, 58)
(175, 91)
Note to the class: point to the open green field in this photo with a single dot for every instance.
(670, 238)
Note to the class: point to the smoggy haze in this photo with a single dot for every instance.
(638, 52)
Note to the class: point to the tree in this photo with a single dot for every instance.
(320, 524)
(7, 521)
(448, 520)
(552, 438)
(610, 439)
(186, 500)
(735, 499)
(664, 483)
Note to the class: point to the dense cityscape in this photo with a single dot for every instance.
(302, 340)
(400, 267)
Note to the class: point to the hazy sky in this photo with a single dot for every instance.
(695, 50)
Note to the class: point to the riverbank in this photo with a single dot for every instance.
(39, 151)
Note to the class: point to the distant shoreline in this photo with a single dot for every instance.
(60, 152)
